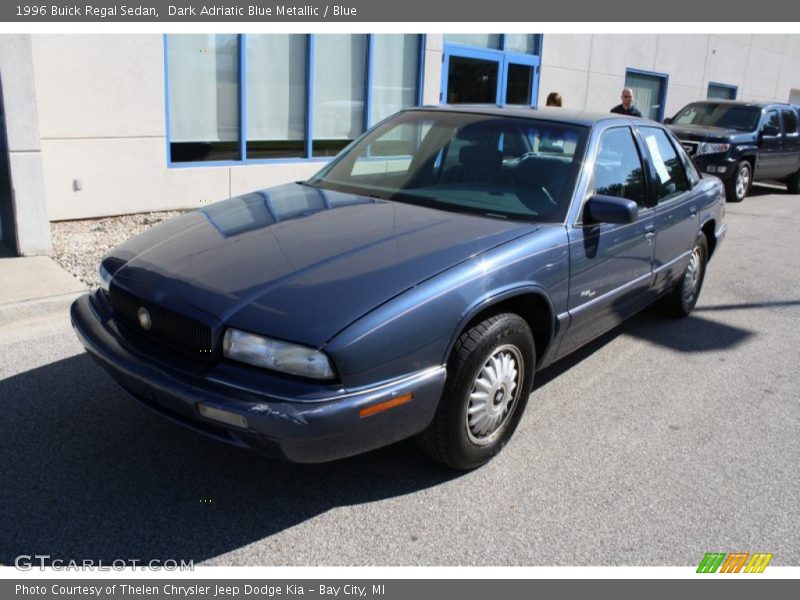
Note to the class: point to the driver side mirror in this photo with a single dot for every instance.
(610, 209)
(667, 120)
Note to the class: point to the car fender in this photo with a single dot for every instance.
(498, 297)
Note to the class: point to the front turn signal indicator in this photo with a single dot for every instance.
(386, 405)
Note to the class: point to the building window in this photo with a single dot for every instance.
(276, 95)
(251, 98)
(649, 92)
(491, 69)
(340, 63)
(204, 97)
(721, 91)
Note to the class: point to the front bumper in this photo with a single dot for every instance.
(327, 429)
(719, 165)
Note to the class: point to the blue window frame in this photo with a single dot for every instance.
(721, 91)
(649, 92)
(491, 75)
(234, 72)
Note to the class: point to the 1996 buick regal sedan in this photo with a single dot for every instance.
(411, 288)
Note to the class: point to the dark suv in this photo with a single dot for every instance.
(742, 142)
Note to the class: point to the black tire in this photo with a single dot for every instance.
(793, 183)
(738, 186)
(457, 438)
(680, 301)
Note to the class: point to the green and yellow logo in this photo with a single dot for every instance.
(714, 562)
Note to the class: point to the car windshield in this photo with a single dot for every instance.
(503, 167)
(713, 114)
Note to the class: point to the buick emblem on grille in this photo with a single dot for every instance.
(144, 318)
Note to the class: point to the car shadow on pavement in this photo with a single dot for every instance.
(691, 334)
(88, 473)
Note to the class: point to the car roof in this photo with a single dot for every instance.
(561, 115)
(742, 103)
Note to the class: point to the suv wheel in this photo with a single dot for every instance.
(739, 185)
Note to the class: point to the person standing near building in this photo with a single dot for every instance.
(627, 107)
(553, 99)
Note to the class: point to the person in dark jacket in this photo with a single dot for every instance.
(627, 107)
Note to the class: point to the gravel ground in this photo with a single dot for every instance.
(78, 246)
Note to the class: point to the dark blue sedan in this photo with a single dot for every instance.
(411, 288)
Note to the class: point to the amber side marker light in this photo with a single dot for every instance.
(383, 406)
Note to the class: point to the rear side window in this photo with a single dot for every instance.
(670, 174)
(618, 167)
(789, 122)
(773, 120)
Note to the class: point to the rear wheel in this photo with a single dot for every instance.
(681, 300)
(737, 188)
(489, 379)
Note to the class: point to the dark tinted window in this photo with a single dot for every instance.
(618, 167)
(789, 122)
(772, 120)
(669, 171)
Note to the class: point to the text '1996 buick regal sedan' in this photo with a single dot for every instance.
(411, 288)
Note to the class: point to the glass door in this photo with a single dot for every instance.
(489, 75)
(471, 77)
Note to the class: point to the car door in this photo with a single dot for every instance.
(610, 264)
(770, 146)
(791, 141)
(676, 222)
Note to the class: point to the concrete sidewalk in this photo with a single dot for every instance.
(31, 286)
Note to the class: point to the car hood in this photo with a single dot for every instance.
(710, 134)
(297, 262)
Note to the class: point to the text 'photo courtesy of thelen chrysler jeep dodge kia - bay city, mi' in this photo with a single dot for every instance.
(412, 288)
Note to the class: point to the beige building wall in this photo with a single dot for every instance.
(102, 123)
(589, 70)
(103, 132)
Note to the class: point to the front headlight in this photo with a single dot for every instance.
(712, 148)
(105, 278)
(276, 355)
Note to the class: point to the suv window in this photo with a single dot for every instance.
(789, 122)
(618, 167)
(669, 171)
(773, 120)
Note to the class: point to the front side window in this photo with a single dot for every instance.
(772, 120)
(618, 167)
(509, 168)
(670, 177)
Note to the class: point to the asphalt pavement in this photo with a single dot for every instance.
(661, 441)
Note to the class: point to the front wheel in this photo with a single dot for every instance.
(738, 186)
(681, 300)
(489, 379)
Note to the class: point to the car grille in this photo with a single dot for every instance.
(179, 332)
(690, 147)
